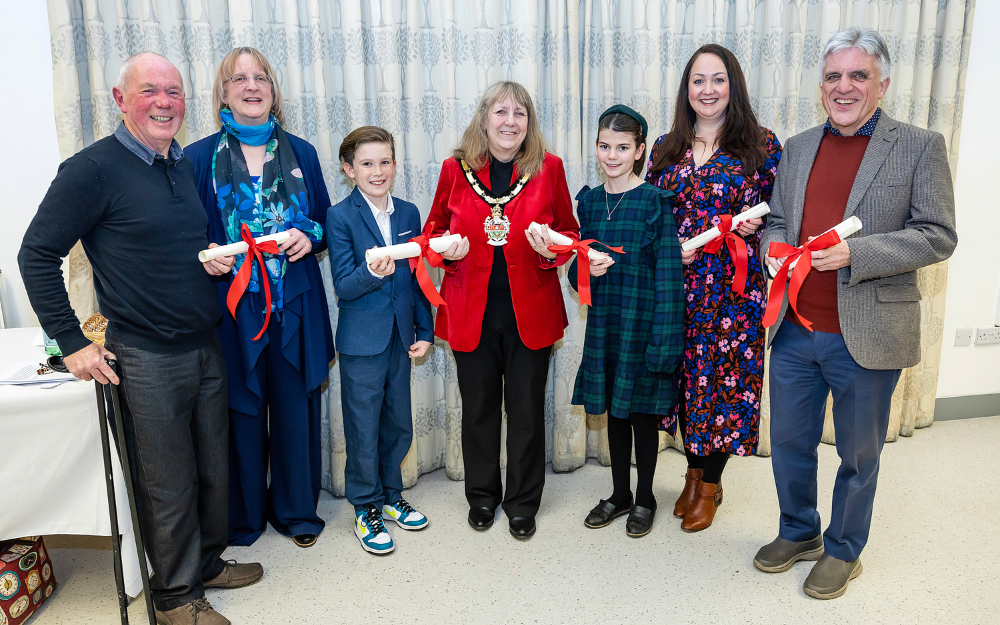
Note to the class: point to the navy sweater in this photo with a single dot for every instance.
(142, 227)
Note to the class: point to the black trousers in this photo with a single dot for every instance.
(174, 407)
(502, 371)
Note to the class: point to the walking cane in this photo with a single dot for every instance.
(116, 538)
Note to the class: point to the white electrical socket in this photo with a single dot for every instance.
(963, 337)
(987, 336)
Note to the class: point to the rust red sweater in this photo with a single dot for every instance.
(829, 186)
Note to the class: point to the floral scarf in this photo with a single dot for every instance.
(277, 202)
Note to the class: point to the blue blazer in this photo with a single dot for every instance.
(306, 335)
(370, 307)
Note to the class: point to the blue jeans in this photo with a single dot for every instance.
(805, 367)
(176, 425)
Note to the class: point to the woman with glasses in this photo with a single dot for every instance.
(255, 179)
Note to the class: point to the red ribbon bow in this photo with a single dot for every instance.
(790, 254)
(582, 264)
(737, 251)
(416, 265)
(242, 278)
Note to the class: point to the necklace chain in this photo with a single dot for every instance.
(607, 206)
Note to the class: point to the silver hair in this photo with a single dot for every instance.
(125, 72)
(866, 39)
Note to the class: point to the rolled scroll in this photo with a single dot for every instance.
(713, 233)
(844, 229)
(410, 249)
(561, 239)
(240, 247)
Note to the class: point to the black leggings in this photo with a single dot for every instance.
(711, 465)
(646, 430)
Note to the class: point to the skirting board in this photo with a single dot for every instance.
(967, 407)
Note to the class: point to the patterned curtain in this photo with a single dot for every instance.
(417, 68)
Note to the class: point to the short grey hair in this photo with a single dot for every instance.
(125, 72)
(866, 39)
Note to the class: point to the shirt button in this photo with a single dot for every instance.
(393, 296)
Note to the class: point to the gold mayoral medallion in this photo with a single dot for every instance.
(497, 228)
(497, 225)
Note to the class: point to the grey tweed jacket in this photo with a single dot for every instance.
(904, 197)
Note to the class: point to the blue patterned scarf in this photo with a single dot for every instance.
(281, 204)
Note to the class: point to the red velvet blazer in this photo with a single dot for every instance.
(534, 284)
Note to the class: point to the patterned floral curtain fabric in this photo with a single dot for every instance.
(417, 68)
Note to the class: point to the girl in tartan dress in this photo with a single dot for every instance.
(635, 323)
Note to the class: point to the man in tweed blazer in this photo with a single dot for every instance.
(858, 312)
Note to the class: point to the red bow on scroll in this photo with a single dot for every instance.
(802, 267)
(582, 248)
(242, 279)
(417, 265)
(737, 251)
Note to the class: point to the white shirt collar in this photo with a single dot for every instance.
(375, 211)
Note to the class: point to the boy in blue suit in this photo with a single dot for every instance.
(385, 320)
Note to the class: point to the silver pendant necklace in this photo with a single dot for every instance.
(607, 206)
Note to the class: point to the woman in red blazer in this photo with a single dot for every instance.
(504, 303)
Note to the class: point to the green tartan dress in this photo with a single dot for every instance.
(635, 326)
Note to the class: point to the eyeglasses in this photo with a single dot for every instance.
(241, 80)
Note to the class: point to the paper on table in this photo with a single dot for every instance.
(844, 229)
(561, 239)
(700, 240)
(26, 372)
(403, 251)
(240, 247)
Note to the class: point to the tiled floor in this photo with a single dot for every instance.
(931, 557)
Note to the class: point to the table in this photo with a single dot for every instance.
(51, 462)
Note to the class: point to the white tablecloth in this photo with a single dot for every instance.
(51, 462)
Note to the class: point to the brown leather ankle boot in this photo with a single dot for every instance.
(701, 514)
(690, 492)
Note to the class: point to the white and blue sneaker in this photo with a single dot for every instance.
(370, 530)
(404, 515)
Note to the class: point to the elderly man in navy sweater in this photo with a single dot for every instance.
(131, 199)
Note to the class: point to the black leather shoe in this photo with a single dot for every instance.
(605, 512)
(305, 540)
(481, 518)
(522, 527)
(640, 521)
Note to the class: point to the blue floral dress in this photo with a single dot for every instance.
(721, 373)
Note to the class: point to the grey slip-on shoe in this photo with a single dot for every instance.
(830, 576)
(780, 554)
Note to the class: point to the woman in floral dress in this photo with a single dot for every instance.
(718, 161)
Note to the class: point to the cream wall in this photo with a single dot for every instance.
(974, 270)
(30, 155)
(31, 158)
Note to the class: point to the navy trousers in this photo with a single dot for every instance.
(285, 436)
(805, 367)
(378, 424)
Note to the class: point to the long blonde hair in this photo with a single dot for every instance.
(474, 147)
(226, 69)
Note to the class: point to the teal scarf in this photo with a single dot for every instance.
(250, 135)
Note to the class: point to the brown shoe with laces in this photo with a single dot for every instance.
(236, 575)
(702, 513)
(689, 494)
(198, 612)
